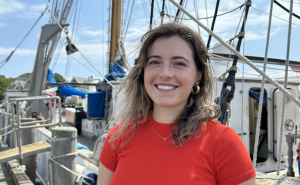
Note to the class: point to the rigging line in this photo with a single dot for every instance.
(82, 53)
(262, 90)
(151, 15)
(213, 23)
(216, 57)
(103, 37)
(128, 20)
(287, 10)
(243, 82)
(126, 14)
(74, 20)
(290, 1)
(162, 12)
(178, 11)
(85, 66)
(54, 64)
(213, 16)
(184, 7)
(78, 21)
(268, 14)
(5, 60)
(285, 86)
(206, 12)
(146, 14)
(197, 15)
(242, 57)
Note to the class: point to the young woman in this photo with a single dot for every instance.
(167, 133)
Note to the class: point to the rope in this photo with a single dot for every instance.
(268, 14)
(64, 31)
(79, 176)
(128, 20)
(239, 55)
(210, 16)
(281, 6)
(285, 86)
(5, 60)
(206, 12)
(262, 90)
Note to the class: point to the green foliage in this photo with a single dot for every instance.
(78, 104)
(58, 77)
(4, 83)
(25, 75)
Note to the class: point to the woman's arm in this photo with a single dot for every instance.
(251, 181)
(104, 175)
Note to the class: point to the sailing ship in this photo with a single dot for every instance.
(240, 111)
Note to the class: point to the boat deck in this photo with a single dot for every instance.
(27, 150)
(5, 177)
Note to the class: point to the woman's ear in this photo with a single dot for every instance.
(199, 76)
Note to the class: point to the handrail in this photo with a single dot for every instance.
(18, 127)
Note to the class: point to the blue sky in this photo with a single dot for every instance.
(17, 17)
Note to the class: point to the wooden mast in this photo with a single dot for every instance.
(116, 21)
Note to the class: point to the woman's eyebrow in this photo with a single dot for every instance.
(153, 56)
(180, 57)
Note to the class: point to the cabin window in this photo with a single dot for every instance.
(262, 154)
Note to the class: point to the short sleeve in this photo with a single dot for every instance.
(232, 161)
(109, 154)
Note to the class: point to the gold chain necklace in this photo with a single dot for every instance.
(164, 138)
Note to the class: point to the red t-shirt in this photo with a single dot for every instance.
(217, 157)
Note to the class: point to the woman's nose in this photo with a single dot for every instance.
(166, 72)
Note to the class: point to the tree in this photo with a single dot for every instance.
(4, 83)
(58, 77)
(25, 75)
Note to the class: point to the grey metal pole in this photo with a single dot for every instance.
(29, 136)
(65, 144)
(290, 140)
(19, 134)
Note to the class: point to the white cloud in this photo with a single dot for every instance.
(22, 52)
(2, 24)
(90, 32)
(10, 6)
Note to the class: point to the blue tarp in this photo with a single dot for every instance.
(50, 76)
(69, 91)
(96, 102)
(256, 93)
(116, 67)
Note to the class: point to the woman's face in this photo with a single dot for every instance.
(170, 72)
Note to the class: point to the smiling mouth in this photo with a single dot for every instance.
(165, 87)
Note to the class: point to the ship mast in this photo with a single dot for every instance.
(115, 32)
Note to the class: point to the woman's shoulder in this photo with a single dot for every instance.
(219, 130)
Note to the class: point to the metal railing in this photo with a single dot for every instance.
(17, 126)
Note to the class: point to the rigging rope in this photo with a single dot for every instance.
(81, 52)
(285, 86)
(206, 12)
(239, 55)
(288, 11)
(6, 59)
(128, 21)
(262, 90)
(268, 14)
(211, 16)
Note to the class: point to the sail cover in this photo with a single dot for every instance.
(69, 91)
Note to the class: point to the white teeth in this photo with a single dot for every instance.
(165, 87)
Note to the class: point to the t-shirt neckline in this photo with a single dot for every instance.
(158, 126)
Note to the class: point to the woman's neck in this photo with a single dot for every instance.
(165, 115)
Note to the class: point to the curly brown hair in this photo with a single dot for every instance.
(137, 104)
